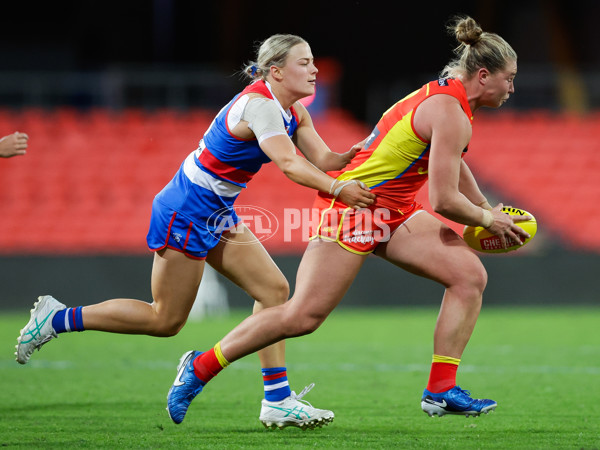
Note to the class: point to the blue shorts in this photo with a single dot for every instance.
(175, 230)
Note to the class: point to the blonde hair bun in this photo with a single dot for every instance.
(477, 49)
(467, 31)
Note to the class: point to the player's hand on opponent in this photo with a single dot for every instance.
(353, 193)
(347, 157)
(506, 228)
(13, 145)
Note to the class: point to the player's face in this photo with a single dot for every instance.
(300, 72)
(500, 85)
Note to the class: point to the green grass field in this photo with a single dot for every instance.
(96, 390)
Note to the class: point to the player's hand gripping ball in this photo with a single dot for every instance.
(482, 240)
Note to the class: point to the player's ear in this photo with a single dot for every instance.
(276, 73)
(483, 75)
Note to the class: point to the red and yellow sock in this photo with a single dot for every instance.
(443, 373)
(210, 363)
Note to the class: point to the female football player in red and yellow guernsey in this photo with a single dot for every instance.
(260, 124)
(422, 137)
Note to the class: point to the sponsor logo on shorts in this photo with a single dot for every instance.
(360, 237)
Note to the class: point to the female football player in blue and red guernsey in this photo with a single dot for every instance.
(265, 122)
(422, 137)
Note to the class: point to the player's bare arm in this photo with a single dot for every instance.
(468, 186)
(282, 152)
(314, 148)
(441, 120)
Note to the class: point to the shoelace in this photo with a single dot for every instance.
(464, 391)
(305, 391)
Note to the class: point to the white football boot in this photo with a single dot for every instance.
(39, 329)
(294, 412)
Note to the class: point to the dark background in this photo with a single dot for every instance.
(384, 48)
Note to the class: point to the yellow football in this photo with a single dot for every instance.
(482, 240)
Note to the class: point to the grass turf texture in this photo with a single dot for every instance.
(98, 390)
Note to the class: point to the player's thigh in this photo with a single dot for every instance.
(325, 274)
(427, 247)
(241, 257)
(175, 282)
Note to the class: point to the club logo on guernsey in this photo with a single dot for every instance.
(260, 221)
(374, 134)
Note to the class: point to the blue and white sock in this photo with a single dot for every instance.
(276, 383)
(67, 320)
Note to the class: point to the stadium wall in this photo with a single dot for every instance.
(559, 278)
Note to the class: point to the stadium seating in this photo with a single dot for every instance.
(546, 163)
(87, 182)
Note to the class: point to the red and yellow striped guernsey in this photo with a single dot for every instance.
(395, 158)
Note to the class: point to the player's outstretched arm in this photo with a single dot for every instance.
(281, 151)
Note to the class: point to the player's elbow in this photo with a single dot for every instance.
(290, 168)
(442, 202)
(441, 206)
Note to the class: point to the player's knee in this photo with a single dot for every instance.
(303, 324)
(281, 292)
(312, 323)
(473, 281)
(479, 278)
(469, 278)
(277, 294)
(169, 327)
